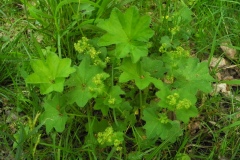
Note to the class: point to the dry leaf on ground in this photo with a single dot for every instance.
(218, 62)
(228, 50)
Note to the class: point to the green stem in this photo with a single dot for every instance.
(214, 42)
(143, 98)
(59, 45)
(111, 153)
(90, 128)
(114, 111)
(141, 104)
(140, 98)
(112, 74)
(114, 117)
(57, 25)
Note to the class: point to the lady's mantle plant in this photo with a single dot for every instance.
(110, 138)
(119, 77)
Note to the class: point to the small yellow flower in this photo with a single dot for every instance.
(116, 142)
(163, 48)
(164, 119)
(174, 30)
(107, 59)
(172, 99)
(112, 101)
(185, 103)
(82, 45)
(119, 148)
(97, 79)
(109, 138)
(169, 79)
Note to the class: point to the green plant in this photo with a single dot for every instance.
(178, 22)
(116, 75)
(122, 101)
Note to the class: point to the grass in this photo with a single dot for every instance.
(214, 134)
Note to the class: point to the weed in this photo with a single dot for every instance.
(116, 80)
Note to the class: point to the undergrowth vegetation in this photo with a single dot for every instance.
(110, 79)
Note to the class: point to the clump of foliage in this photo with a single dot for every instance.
(110, 79)
(115, 78)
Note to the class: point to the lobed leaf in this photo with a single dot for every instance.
(193, 76)
(82, 85)
(128, 31)
(153, 66)
(50, 74)
(185, 114)
(155, 128)
(54, 115)
(134, 71)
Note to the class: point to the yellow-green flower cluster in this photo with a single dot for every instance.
(105, 136)
(109, 138)
(175, 54)
(173, 100)
(166, 18)
(163, 48)
(179, 53)
(107, 59)
(97, 90)
(185, 103)
(112, 100)
(174, 30)
(163, 119)
(83, 46)
(191, 2)
(169, 79)
(98, 79)
(117, 143)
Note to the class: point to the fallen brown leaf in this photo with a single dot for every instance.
(228, 50)
(218, 62)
